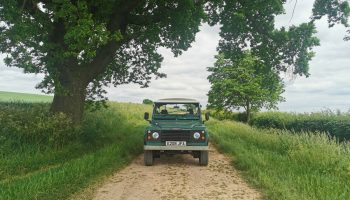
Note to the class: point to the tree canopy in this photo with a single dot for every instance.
(82, 46)
(246, 84)
(147, 101)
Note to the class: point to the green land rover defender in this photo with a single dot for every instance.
(176, 128)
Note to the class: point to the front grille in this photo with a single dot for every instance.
(175, 135)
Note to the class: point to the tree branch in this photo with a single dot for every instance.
(105, 54)
(142, 20)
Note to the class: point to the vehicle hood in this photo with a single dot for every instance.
(178, 124)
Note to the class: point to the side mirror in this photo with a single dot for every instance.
(207, 116)
(146, 116)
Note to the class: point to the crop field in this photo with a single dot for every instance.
(15, 96)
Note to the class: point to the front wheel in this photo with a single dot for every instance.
(203, 158)
(148, 158)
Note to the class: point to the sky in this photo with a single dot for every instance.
(328, 87)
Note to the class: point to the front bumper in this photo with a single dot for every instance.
(176, 148)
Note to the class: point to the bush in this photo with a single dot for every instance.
(236, 116)
(147, 101)
(32, 123)
(337, 125)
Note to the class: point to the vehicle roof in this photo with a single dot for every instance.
(176, 100)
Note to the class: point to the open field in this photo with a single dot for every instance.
(15, 96)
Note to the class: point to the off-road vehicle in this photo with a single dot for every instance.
(176, 128)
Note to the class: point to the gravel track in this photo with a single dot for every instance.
(177, 177)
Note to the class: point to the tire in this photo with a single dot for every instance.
(148, 158)
(203, 158)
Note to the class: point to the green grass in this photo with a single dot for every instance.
(286, 166)
(30, 169)
(37, 161)
(23, 97)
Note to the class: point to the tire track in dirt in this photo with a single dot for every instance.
(177, 177)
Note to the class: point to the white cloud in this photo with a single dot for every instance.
(186, 74)
(13, 79)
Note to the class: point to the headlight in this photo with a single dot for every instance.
(155, 135)
(196, 135)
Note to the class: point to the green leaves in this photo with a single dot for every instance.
(247, 84)
(115, 42)
(84, 35)
(250, 25)
(337, 11)
(292, 49)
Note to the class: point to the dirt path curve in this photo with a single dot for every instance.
(177, 177)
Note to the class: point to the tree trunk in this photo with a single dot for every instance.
(69, 97)
(248, 112)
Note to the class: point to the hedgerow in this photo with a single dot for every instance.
(333, 124)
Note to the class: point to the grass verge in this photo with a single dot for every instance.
(284, 165)
(109, 139)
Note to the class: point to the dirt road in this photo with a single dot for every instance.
(177, 177)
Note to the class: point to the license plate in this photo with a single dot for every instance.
(175, 143)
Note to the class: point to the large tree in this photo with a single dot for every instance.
(247, 84)
(82, 46)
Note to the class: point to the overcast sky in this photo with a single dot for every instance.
(327, 87)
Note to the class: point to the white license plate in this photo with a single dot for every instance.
(175, 143)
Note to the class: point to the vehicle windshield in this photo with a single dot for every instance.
(176, 111)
